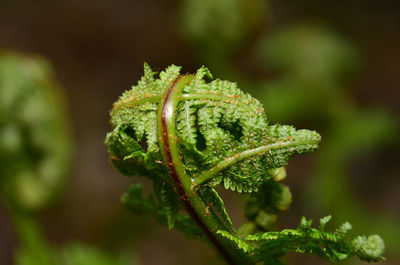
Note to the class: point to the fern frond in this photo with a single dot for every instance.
(264, 206)
(215, 203)
(164, 209)
(305, 239)
(238, 243)
(216, 120)
(35, 142)
(187, 135)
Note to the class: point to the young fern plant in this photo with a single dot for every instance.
(188, 135)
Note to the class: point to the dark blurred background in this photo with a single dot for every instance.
(97, 50)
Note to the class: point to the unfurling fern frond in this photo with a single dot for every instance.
(222, 131)
(188, 135)
(35, 140)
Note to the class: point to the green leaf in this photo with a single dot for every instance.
(133, 199)
(169, 203)
(344, 228)
(293, 142)
(369, 248)
(35, 140)
(166, 210)
(263, 207)
(213, 200)
(238, 243)
(185, 224)
(305, 239)
(148, 78)
(324, 220)
(305, 224)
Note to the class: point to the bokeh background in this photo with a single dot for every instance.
(329, 66)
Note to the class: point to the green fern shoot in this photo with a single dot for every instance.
(188, 135)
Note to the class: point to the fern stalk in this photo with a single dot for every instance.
(203, 177)
(167, 136)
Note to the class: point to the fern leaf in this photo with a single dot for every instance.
(239, 244)
(35, 142)
(215, 121)
(305, 239)
(169, 203)
(134, 200)
(214, 201)
(165, 210)
(187, 135)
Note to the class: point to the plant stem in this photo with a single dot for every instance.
(233, 99)
(207, 221)
(32, 244)
(245, 154)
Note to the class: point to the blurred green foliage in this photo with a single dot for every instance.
(315, 93)
(77, 254)
(312, 64)
(216, 29)
(218, 26)
(35, 142)
(35, 149)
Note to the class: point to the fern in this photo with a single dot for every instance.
(188, 135)
(34, 132)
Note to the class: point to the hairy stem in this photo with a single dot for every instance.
(234, 99)
(245, 154)
(206, 220)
